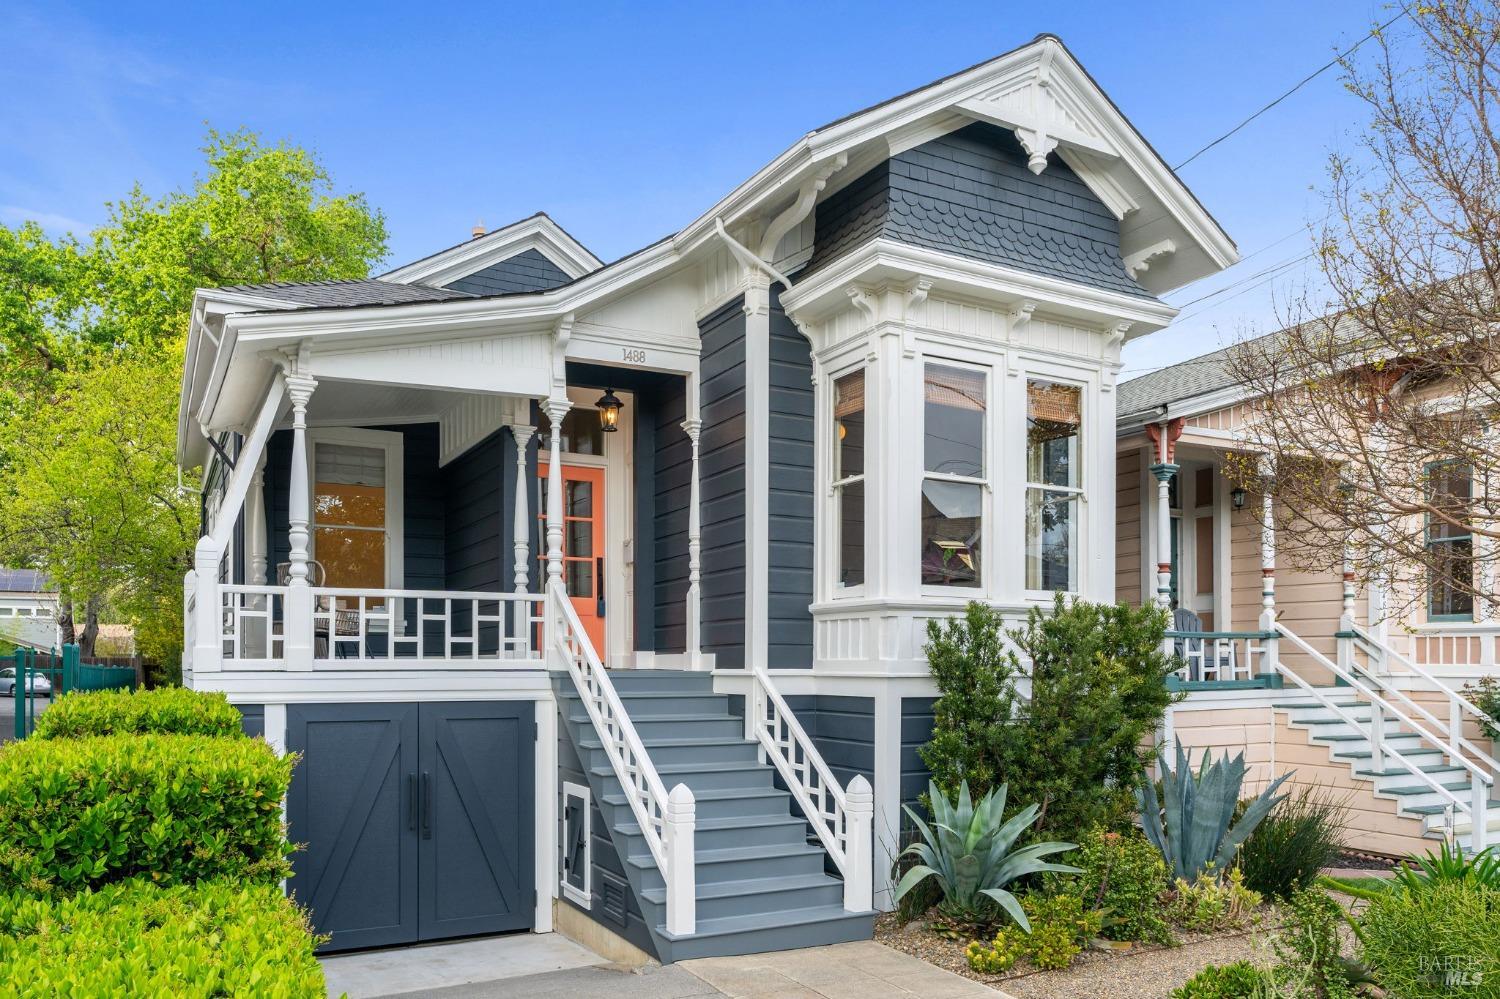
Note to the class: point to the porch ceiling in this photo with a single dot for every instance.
(348, 403)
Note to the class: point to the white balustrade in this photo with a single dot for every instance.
(842, 820)
(252, 621)
(1456, 644)
(666, 822)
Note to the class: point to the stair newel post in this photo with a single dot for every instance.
(1268, 571)
(208, 634)
(681, 874)
(521, 534)
(1479, 806)
(859, 845)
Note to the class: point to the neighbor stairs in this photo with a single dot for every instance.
(760, 884)
(1402, 792)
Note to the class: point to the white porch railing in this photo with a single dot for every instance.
(1455, 645)
(358, 628)
(843, 820)
(666, 820)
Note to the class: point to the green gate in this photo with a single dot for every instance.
(65, 674)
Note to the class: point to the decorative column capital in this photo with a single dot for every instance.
(522, 433)
(556, 408)
(692, 426)
(1164, 471)
(299, 388)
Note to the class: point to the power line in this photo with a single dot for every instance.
(1302, 83)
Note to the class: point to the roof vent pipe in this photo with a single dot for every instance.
(478, 229)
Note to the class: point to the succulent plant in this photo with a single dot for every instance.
(1191, 826)
(968, 849)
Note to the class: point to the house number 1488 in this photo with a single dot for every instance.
(634, 355)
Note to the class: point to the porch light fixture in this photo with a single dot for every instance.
(1237, 497)
(609, 411)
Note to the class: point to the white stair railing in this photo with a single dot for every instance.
(843, 820)
(1477, 807)
(666, 820)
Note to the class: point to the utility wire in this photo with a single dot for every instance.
(1302, 83)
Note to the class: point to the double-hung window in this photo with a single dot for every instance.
(954, 474)
(849, 477)
(1450, 543)
(1054, 484)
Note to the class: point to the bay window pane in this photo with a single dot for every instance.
(1451, 579)
(1051, 539)
(951, 529)
(1053, 419)
(849, 426)
(953, 420)
(851, 514)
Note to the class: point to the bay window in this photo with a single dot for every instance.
(849, 477)
(1054, 484)
(954, 475)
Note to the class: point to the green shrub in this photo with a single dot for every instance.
(1098, 691)
(1068, 911)
(168, 710)
(1000, 955)
(1240, 980)
(1450, 863)
(77, 813)
(1212, 903)
(1485, 695)
(1051, 946)
(1308, 948)
(1301, 836)
(1123, 876)
(1443, 940)
(136, 938)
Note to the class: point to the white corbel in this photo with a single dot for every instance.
(1139, 262)
(1019, 315)
(560, 336)
(1037, 144)
(807, 196)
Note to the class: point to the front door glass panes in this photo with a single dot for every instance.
(1054, 484)
(954, 480)
(349, 515)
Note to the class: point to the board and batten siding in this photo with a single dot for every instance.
(789, 607)
(721, 473)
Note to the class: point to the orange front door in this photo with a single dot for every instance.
(583, 544)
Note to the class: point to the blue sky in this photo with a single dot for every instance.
(624, 121)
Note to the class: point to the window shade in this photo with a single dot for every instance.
(1054, 403)
(849, 395)
(347, 464)
(958, 388)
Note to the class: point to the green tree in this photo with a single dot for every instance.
(91, 344)
(1076, 737)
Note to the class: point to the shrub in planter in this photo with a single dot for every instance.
(1240, 980)
(78, 813)
(1300, 836)
(1060, 927)
(1308, 949)
(169, 710)
(135, 938)
(1441, 940)
(1123, 876)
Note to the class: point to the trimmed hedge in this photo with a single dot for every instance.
(79, 813)
(135, 938)
(168, 710)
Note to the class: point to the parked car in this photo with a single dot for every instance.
(36, 683)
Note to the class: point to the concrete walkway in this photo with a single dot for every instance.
(549, 966)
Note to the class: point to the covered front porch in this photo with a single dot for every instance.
(360, 524)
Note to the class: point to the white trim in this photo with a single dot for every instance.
(535, 233)
(583, 896)
(757, 309)
(393, 444)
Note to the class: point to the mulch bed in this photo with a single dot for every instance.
(1142, 971)
(1353, 860)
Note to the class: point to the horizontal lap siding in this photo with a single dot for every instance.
(671, 462)
(478, 531)
(843, 729)
(1128, 527)
(916, 732)
(526, 271)
(791, 495)
(722, 484)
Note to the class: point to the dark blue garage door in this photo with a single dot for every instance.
(415, 820)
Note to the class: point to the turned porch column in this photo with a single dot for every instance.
(694, 642)
(521, 527)
(556, 410)
(299, 598)
(1268, 573)
(1164, 471)
(255, 526)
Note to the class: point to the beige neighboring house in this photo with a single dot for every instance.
(28, 609)
(1288, 664)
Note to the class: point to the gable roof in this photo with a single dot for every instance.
(535, 232)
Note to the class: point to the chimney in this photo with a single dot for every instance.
(478, 229)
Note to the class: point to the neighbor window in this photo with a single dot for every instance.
(849, 476)
(349, 514)
(1054, 484)
(953, 479)
(1451, 572)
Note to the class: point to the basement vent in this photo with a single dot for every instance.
(613, 892)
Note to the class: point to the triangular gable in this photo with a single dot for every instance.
(537, 249)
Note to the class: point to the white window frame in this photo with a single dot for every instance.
(393, 444)
(836, 589)
(585, 895)
(1083, 528)
(987, 533)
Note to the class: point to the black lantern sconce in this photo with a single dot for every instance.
(609, 411)
(1237, 497)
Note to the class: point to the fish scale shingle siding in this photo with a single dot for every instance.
(529, 270)
(971, 193)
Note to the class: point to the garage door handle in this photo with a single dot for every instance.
(426, 805)
(411, 798)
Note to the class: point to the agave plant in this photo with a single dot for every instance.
(1193, 830)
(968, 849)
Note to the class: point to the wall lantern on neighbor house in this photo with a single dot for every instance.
(1237, 497)
(609, 411)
